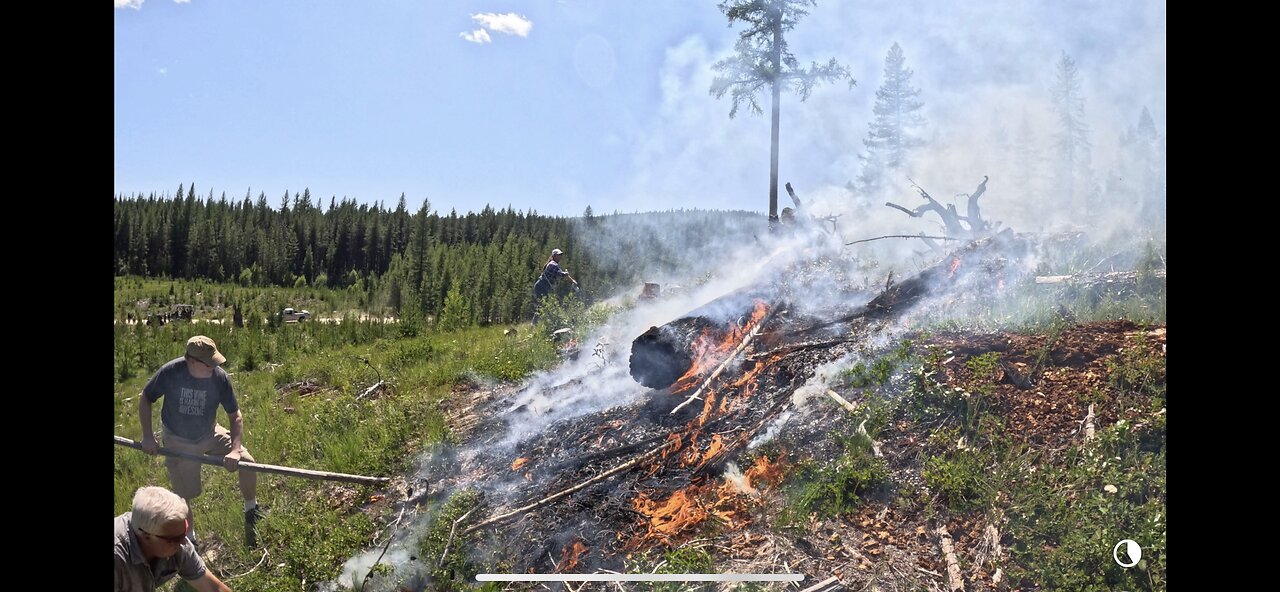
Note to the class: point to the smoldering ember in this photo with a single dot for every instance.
(752, 440)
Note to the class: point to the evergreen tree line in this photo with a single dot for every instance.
(473, 268)
(489, 258)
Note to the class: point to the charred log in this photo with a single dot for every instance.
(948, 272)
(662, 355)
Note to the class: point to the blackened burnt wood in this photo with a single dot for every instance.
(948, 272)
(663, 354)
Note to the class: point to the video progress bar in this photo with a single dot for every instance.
(605, 577)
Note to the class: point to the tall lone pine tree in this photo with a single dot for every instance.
(763, 61)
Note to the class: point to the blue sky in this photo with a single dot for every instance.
(554, 105)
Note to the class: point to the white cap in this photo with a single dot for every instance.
(555, 252)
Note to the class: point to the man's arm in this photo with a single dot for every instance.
(149, 445)
(232, 459)
(208, 583)
(565, 273)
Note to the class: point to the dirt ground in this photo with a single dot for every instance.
(882, 546)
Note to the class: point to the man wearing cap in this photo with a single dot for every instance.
(550, 273)
(194, 386)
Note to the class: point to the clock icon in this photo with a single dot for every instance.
(1127, 550)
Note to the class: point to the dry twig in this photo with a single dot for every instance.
(395, 526)
(251, 570)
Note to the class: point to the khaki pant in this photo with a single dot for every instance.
(184, 474)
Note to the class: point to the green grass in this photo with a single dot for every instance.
(1064, 521)
(834, 487)
(215, 300)
(313, 526)
(685, 559)
(457, 565)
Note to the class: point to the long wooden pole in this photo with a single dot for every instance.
(259, 467)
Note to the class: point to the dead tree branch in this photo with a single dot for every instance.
(976, 223)
(850, 407)
(395, 526)
(950, 218)
(822, 585)
(912, 213)
(251, 570)
(452, 530)
(921, 235)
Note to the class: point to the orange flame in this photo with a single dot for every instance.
(666, 521)
(955, 264)
(704, 350)
(765, 471)
(519, 462)
(671, 517)
(709, 353)
(694, 457)
(570, 555)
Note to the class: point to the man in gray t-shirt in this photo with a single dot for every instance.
(193, 387)
(150, 548)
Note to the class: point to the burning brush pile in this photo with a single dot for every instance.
(591, 490)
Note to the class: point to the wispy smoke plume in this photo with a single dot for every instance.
(985, 70)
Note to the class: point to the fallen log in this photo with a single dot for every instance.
(259, 467)
(961, 263)
(663, 354)
(1091, 279)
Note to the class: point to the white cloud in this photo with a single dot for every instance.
(476, 36)
(163, 71)
(509, 23)
(182, 1)
(134, 4)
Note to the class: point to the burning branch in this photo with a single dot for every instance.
(546, 500)
(745, 342)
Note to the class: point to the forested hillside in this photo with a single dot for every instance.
(490, 259)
